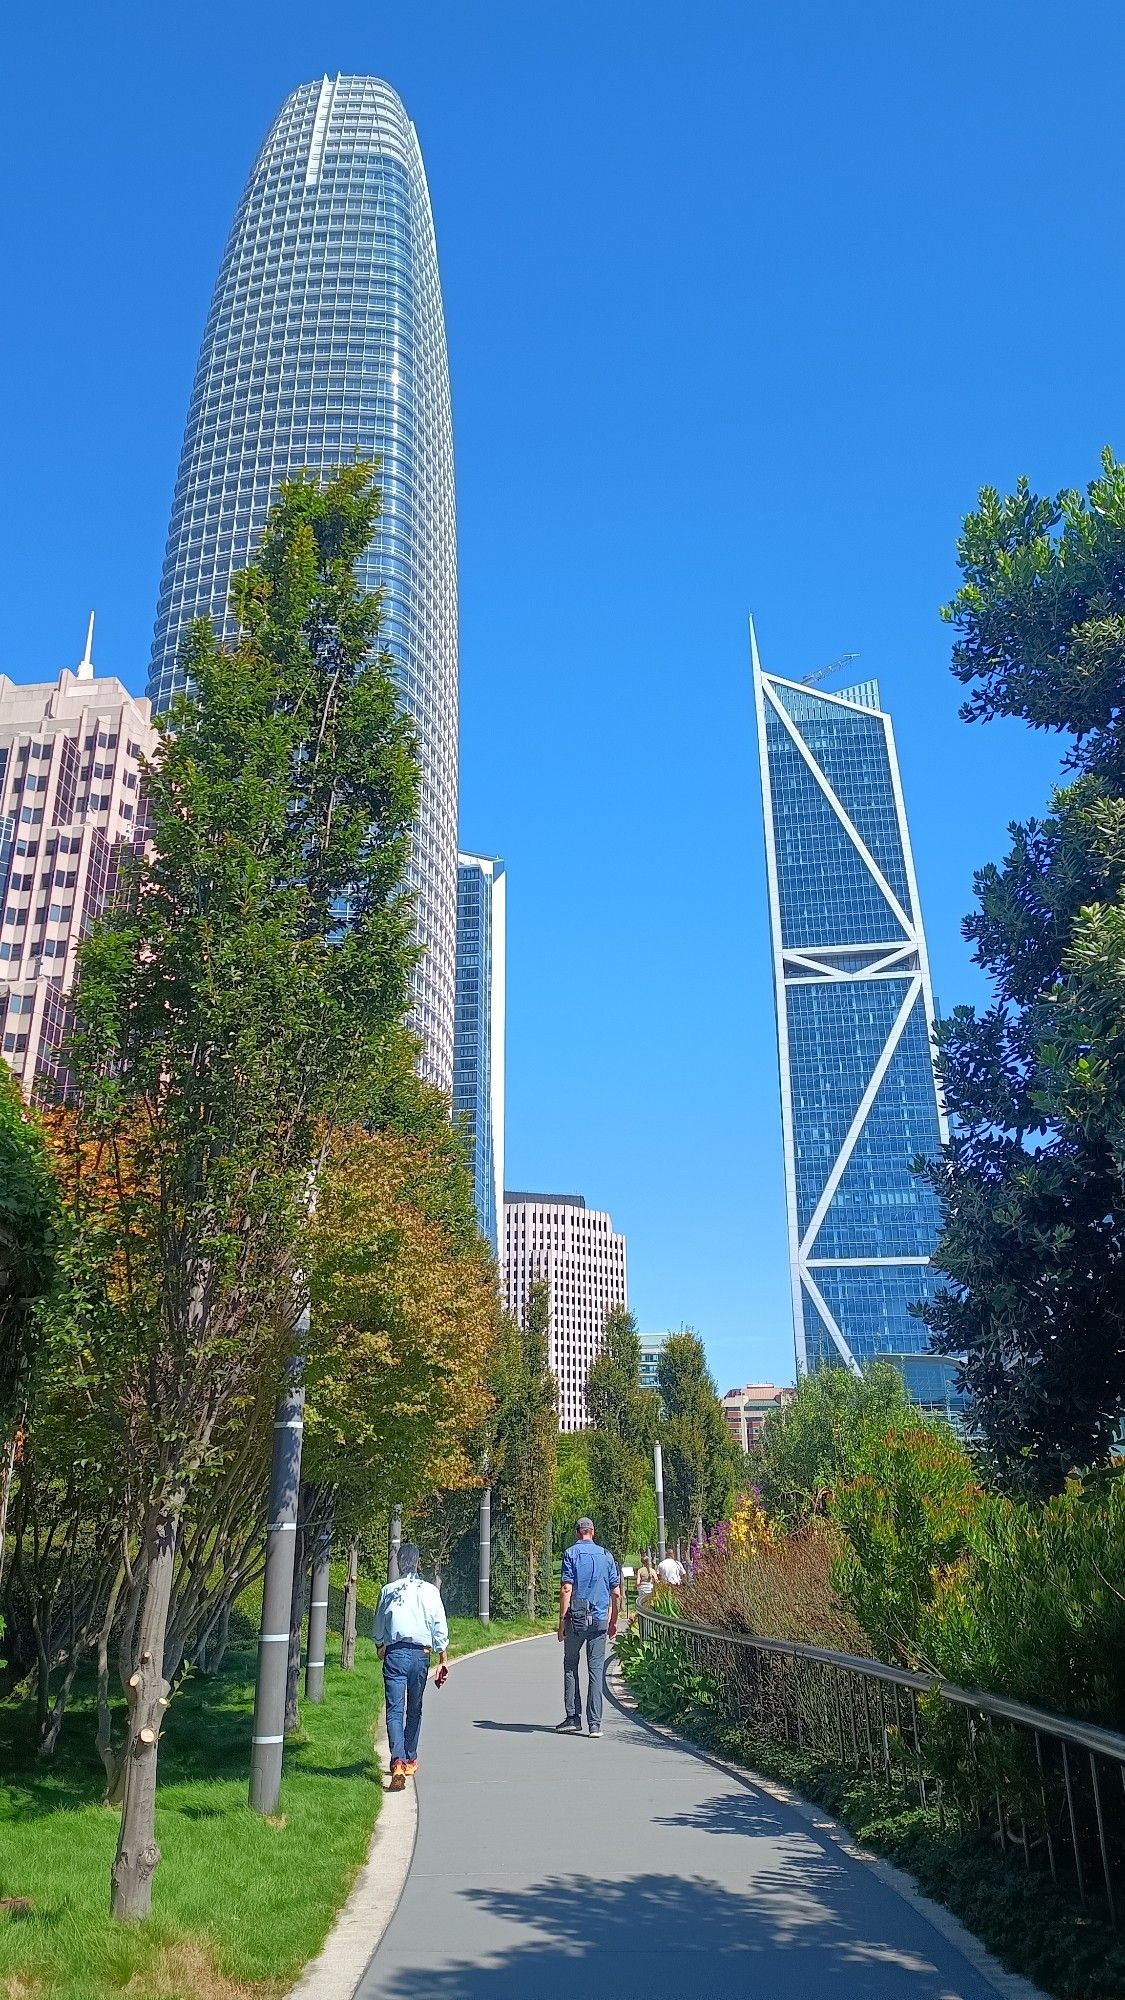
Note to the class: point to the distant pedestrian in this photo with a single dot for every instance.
(589, 1604)
(671, 1570)
(646, 1580)
(410, 1626)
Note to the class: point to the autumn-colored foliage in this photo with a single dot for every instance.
(403, 1324)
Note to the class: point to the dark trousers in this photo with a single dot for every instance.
(593, 1639)
(404, 1681)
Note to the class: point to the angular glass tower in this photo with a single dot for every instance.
(325, 343)
(854, 1012)
(478, 1041)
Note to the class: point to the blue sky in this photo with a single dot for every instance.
(744, 304)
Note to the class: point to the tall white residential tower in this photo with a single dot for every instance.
(577, 1251)
(70, 807)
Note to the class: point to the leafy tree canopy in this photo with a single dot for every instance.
(625, 1418)
(1033, 1238)
(813, 1444)
(703, 1466)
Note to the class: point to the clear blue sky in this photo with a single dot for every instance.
(744, 304)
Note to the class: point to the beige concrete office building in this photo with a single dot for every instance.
(746, 1410)
(581, 1257)
(70, 803)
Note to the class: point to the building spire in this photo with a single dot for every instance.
(84, 671)
(755, 662)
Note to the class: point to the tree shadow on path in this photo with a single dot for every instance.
(793, 1933)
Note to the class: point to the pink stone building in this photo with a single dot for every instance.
(70, 805)
(576, 1250)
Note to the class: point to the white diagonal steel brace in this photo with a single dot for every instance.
(829, 1319)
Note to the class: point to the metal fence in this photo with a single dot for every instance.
(1050, 1788)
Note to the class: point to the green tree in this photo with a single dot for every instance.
(525, 1455)
(812, 1445)
(1033, 1203)
(906, 1514)
(29, 1228)
(702, 1462)
(236, 1008)
(574, 1486)
(624, 1417)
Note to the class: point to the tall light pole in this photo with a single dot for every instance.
(484, 1573)
(658, 1470)
(395, 1542)
(268, 1741)
(318, 1610)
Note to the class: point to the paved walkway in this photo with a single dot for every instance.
(548, 1866)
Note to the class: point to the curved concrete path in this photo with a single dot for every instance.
(548, 1866)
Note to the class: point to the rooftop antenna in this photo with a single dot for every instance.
(84, 671)
(822, 673)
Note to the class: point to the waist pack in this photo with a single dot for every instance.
(582, 1616)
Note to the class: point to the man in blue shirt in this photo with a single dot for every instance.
(589, 1603)
(410, 1625)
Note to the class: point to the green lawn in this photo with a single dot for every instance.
(238, 1905)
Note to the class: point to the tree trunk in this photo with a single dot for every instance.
(10, 1450)
(531, 1584)
(296, 1622)
(351, 1596)
(138, 1855)
(221, 1639)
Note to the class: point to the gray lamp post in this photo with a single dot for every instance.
(268, 1740)
(658, 1470)
(484, 1573)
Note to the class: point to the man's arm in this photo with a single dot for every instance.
(614, 1580)
(439, 1626)
(566, 1592)
(379, 1625)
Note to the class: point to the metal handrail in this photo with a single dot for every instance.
(1067, 1728)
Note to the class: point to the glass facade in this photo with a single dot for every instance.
(859, 1098)
(325, 343)
(478, 1035)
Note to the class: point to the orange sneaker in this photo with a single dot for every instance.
(398, 1777)
(411, 1767)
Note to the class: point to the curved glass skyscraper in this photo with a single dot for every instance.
(325, 343)
(858, 1097)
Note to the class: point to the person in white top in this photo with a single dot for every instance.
(410, 1625)
(671, 1570)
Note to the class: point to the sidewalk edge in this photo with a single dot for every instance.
(1009, 1985)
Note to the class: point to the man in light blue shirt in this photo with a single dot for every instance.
(589, 1603)
(410, 1624)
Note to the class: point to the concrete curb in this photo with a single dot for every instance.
(1009, 1985)
(358, 1928)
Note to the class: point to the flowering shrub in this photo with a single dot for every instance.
(754, 1575)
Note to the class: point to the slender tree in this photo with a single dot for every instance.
(526, 1453)
(29, 1229)
(233, 1011)
(701, 1459)
(624, 1417)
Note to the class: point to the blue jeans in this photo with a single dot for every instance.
(593, 1639)
(405, 1669)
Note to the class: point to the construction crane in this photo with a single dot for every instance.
(822, 673)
